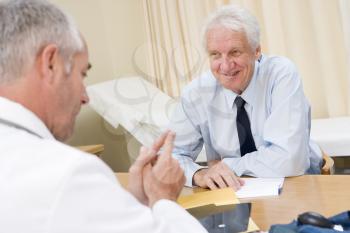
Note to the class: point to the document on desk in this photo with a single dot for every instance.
(259, 187)
(217, 197)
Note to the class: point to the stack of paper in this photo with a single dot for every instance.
(258, 187)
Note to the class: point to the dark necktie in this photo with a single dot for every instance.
(246, 140)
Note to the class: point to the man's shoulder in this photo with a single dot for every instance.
(277, 69)
(68, 159)
(273, 63)
(46, 162)
(202, 86)
(52, 148)
(42, 155)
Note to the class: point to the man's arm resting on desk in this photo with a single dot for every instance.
(217, 175)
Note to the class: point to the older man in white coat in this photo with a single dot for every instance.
(47, 186)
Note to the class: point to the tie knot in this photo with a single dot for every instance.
(239, 102)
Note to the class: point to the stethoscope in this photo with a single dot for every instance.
(17, 126)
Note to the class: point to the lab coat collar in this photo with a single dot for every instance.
(19, 115)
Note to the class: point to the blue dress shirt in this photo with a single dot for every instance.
(280, 122)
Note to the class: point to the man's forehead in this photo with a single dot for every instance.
(221, 36)
(222, 32)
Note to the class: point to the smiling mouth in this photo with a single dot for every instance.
(233, 75)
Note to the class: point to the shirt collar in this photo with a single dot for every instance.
(16, 113)
(249, 93)
(230, 96)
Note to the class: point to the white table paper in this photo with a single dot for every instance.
(259, 187)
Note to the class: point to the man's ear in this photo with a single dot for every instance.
(257, 52)
(48, 61)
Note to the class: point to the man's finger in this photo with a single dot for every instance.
(169, 144)
(229, 176)
(147, 172)
(160, 141)
(211, 185)
(229, 180)
(219, 180)
(241, 181)
(143, 158)
(237, 179)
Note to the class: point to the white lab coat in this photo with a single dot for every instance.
(46, 186)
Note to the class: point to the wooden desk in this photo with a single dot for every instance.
(327, 195)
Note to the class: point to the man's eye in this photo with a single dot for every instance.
(214, 55)
(235, 53)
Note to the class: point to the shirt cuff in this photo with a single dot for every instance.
(190, 169)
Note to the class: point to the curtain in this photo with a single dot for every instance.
(312, 33)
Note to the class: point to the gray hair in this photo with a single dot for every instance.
(26, 26)
(237, 19)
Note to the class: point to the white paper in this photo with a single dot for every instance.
(259, 187)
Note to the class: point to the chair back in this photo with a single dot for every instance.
(327, 167)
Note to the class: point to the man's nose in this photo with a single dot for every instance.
(85, 98)
(226, 65)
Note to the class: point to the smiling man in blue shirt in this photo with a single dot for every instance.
(249, 110)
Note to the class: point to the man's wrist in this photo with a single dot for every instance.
(198, 177)
(155, 198)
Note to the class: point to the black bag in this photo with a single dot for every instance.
(341, 220)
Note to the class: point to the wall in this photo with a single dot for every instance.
(113, 30)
